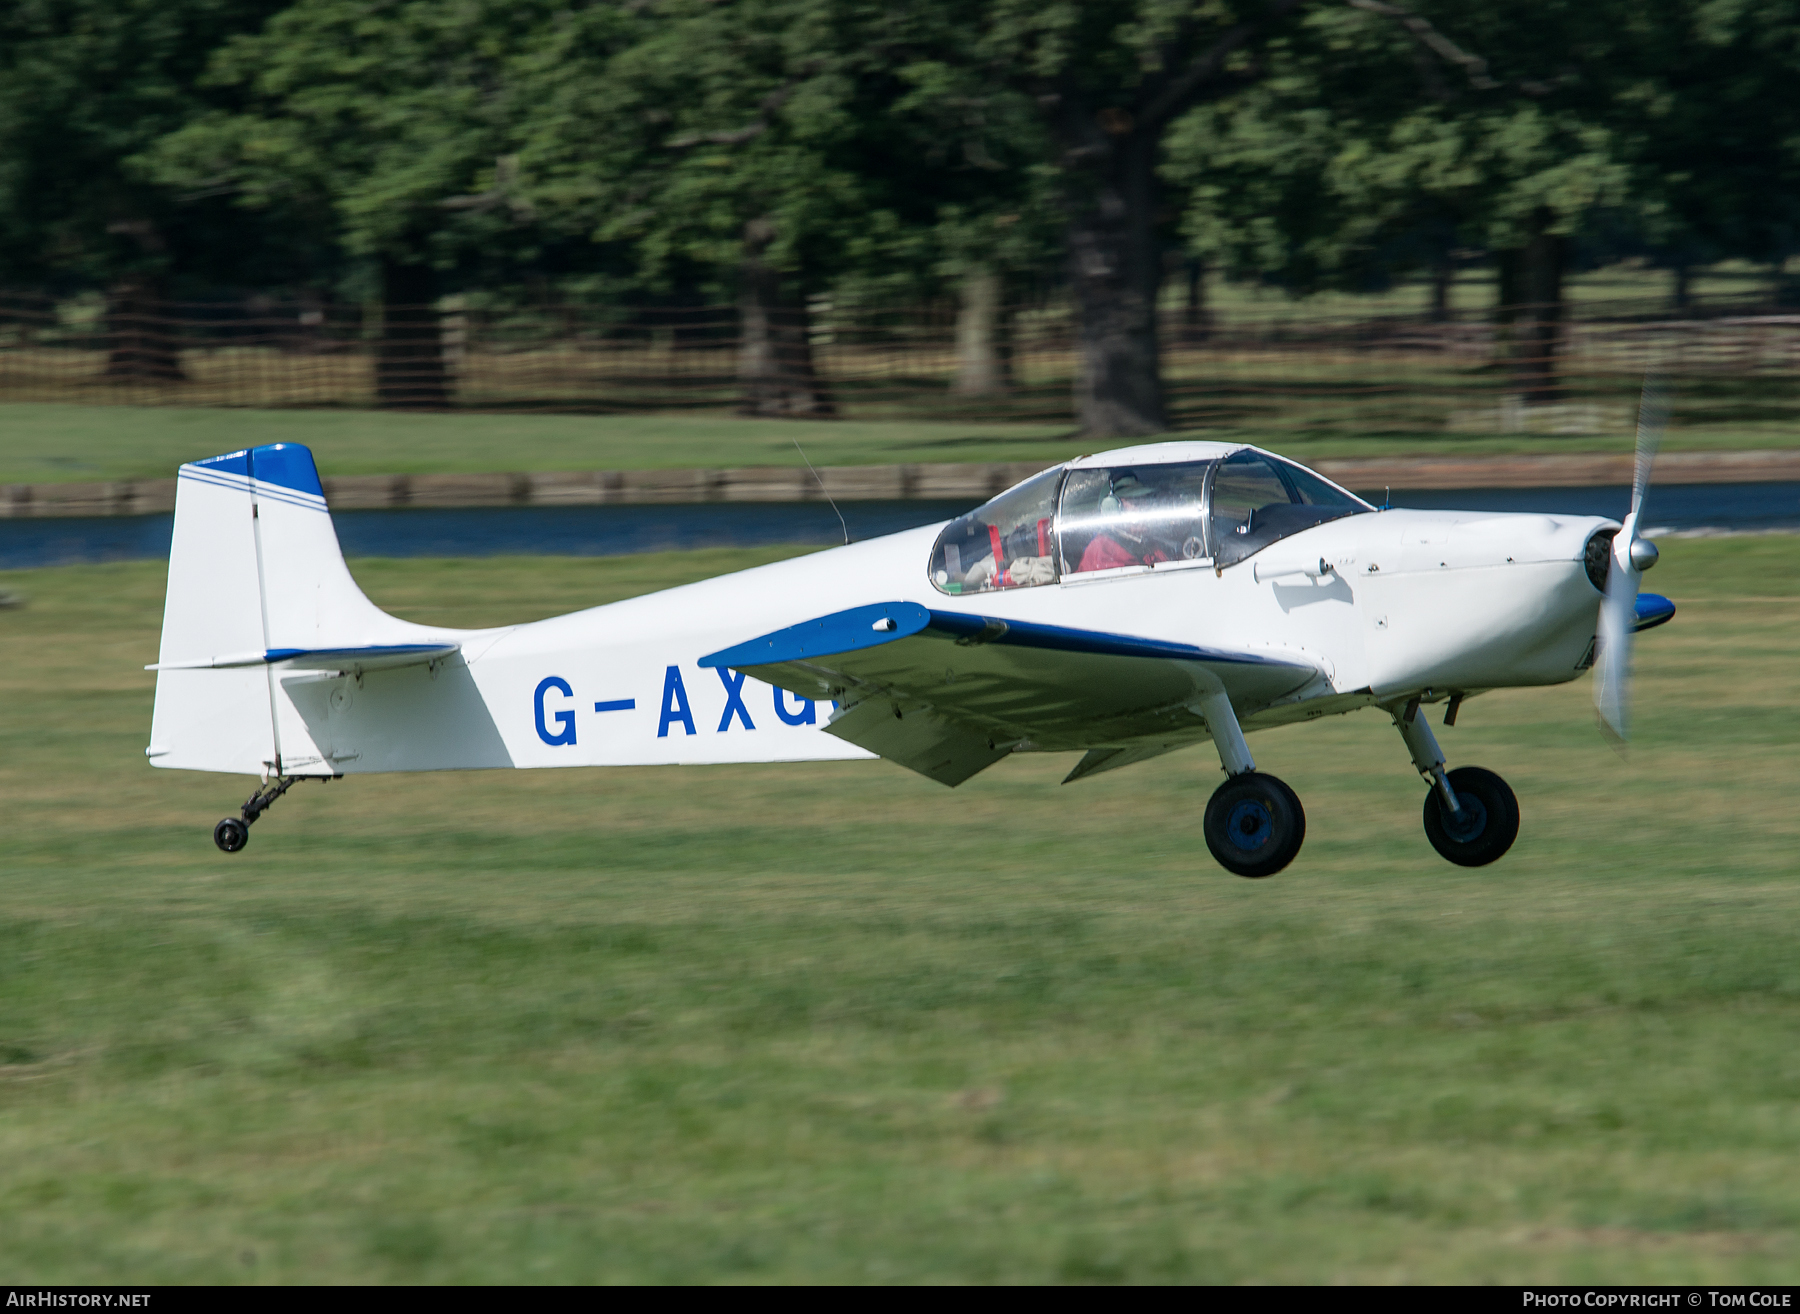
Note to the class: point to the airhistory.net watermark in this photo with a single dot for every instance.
(76, 1300)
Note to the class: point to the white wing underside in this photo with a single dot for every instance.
(947, 694)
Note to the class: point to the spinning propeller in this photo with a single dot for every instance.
(1631, 557)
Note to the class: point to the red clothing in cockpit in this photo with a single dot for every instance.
(1105, 553)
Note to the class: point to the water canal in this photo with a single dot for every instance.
(622, 530)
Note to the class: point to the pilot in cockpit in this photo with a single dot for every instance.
(1143, 525)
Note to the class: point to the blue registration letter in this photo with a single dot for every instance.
(734, 700)
(674, 704)
(802, 717)
(565, 719)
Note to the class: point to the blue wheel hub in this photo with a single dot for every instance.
(1249, 826)
(1467, 824)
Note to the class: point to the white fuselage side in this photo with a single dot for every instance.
(1414, 601)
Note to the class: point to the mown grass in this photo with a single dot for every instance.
(834, 1022)
(54, 443)
(1630, 285)
(49, 442)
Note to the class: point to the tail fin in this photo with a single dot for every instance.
(256, 577)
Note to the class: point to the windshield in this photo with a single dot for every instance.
(1005, 544)
(1257, 500)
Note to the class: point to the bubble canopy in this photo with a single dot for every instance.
(1132, 511)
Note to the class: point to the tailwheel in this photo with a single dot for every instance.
(233, 833)
(1486, 821)
(1254, 825)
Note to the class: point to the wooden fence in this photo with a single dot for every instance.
(1387, 374)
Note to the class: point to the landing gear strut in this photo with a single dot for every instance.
(1471, 814)
(232, 833)
(1254, 823)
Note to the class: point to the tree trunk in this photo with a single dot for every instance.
(775, 364)
(1506, 302)
(1196, 322)
(1785, 290)
(142, 345)
(983, 363)
(409, 364)
(1683, 297)
(1115, 269)
(1531, 310)
(1443, 274)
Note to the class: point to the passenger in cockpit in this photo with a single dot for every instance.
(1123, 540)
(1144, 525)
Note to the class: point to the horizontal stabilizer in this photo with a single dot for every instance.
(376, 657)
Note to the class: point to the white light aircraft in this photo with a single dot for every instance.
(1123, 606)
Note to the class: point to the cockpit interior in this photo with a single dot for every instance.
(1081, 519)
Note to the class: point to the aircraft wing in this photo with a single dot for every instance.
(948, 694)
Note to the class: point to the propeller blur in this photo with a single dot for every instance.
(1631, 557)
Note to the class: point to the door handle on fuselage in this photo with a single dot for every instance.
(1323, 569)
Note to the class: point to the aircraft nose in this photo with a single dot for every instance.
(1514, 539)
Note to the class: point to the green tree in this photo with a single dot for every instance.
(1106, 83)
(391, 126)
(783, 148)
(1377, 144)
(715, 142)
(1702, 103)
(85, 87)
(996, 231)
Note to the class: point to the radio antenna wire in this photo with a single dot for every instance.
(824, 490)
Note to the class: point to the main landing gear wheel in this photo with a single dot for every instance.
(1254, 825)
(231, 834)
(1487, 824)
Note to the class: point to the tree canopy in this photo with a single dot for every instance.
(770, 151)
(86, 88)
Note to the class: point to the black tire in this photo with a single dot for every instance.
(231, 834)
(1491, 823)
(1254, 825)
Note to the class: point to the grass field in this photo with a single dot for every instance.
(49, 443)
(836, 1023)
(1629, 285)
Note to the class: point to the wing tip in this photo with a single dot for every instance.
(850, 630)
